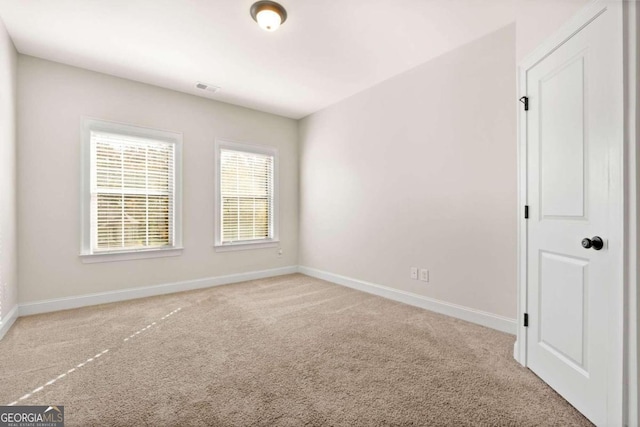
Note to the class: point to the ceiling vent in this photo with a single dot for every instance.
(207, 87)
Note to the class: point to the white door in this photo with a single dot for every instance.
(574, 185)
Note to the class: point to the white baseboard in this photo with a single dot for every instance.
(483, 318)
(465, 313)
(7, 321)
(57, 304)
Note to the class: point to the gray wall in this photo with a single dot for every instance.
(8, 226)
(420, 170)
(52, 98)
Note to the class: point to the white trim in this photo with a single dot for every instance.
(568, 30)
(274, 239)
(244, 246)
(617, 409)
(87, 125)
(7, 322)
(632, 221)
(57, 304)
(520, 346)
(493, 321)
(130, 255)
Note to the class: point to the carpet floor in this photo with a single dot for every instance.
(285, 351)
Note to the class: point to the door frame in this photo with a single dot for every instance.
(623, 345)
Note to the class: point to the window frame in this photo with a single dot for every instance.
(87, 254)
(274, 240)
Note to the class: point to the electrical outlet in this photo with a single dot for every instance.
(279, 253)
(424, 274)
(414, 273)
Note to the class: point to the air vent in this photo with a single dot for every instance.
(207, 87)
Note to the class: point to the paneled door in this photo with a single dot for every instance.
(574, 185)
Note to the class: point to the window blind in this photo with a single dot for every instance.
(246, 192)
(132, 192)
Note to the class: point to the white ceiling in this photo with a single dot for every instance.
(326, 51)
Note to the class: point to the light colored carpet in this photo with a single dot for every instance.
(286, 351)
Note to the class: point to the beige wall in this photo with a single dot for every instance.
(8, 245)
(420, 170)
(51, 100)
(538, 19)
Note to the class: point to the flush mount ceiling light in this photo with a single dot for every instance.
(268, 14)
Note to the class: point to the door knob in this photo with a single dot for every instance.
(596, 243)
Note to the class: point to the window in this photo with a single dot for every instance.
(131, 192)
(246, 202)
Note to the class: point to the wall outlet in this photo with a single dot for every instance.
(424, 274)
(414, 273)
(279, 253)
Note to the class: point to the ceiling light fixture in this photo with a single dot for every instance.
(268, 14)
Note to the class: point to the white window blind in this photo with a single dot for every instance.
(132, 192)
(246, 195)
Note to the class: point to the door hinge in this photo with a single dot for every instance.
(525, 101)
(526, 320)
(526, 211)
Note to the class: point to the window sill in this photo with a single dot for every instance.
(130, 255)
(230, 247)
